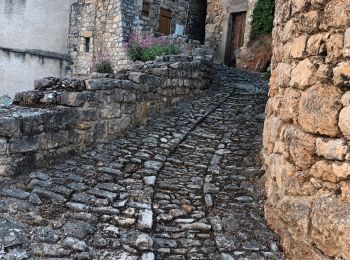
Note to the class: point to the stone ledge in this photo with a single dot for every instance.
(69, 115)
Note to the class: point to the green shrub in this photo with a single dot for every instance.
(150, 54)
(103, 66)
(135, 52)
(148, 49)
(263, 16)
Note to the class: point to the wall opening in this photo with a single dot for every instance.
(165, 18)
(87, 44)
(145, 9)
(197, 20)
(235, 36)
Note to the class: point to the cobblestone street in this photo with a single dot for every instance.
(184, 186)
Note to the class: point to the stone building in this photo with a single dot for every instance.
(228, 32)
(33, 42)
(100, 28)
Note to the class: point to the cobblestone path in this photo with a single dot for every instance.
(181, 187)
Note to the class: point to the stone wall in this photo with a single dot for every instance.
(105, 26)
(68, 115)
(307, 130)
(33, 42)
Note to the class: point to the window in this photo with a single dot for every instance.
(145, 9)
(87, 44)
(165, 21)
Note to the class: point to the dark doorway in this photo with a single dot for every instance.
(235, 37)
(196, 20)
(165, 21)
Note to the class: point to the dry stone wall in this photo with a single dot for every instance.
(68, 115)
(307, 130)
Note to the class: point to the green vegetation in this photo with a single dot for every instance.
(136, 52)
(144, 48)
(263, 16)
(103, 66)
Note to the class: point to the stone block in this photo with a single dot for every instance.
(314, 44)
(303, 75)
(330, 227)
(9, 126)
(289, 105)
(24, 144)
(74, 99)
(88, 114)
(54, 140)
(346, 48)
(68, 117)
(298, 6)
(87, 34)
(341, 170)
(295, 212)
(302, 147)
(118, 95)
(109, 112)
(342, 75)
(332, 149)
(117, 126)
(102, 83)
(323, 170)
(345, 190)
(344, 121)
(336, 15)
(345, 100)
(298, 47)
(280, 76)
(319, 108)
(334, 46)
(138, 77)
(3, 146)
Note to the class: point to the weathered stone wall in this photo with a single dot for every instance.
(108, 25)
(307, 130)
(65, 115)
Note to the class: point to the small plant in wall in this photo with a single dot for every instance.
(145, 48)
(102, 64)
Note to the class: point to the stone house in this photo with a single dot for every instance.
(99, 27)
(228, 32)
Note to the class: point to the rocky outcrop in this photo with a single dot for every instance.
(307, 129)
(256, 56)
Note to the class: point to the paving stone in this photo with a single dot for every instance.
(15, 193)
(180, 187)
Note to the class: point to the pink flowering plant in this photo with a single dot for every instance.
(145, 48)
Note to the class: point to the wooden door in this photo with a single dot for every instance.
(165, 21)
(236, 36)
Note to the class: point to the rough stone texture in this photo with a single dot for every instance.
(206, 147)
(109, 24)
(82, 111)
(307, 133)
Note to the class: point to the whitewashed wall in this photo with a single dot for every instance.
(39, 25)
